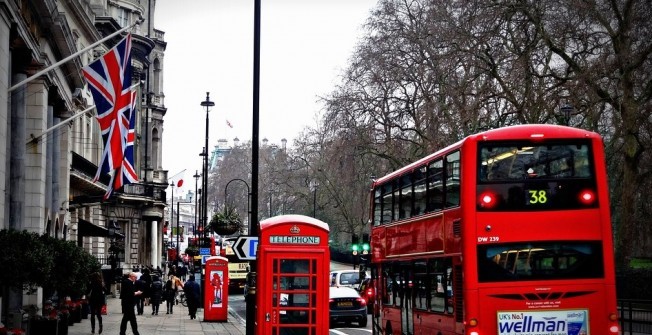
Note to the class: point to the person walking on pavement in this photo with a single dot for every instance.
(141, 285)
(96, 299)
(156, 294)
(191, 290)
(128, 296)
(170, 294)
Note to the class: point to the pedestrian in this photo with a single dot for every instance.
(191, 290)
(128, 296)
(169, 293)
(141, 285)
(183, 271)
(96, 299)
(178, 286)
(156, 294)
(147, 278)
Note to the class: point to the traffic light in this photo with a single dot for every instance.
(355, 244)
(365, 244)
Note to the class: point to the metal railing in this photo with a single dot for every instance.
(635, 316)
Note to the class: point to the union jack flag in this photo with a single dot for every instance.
(109, 79)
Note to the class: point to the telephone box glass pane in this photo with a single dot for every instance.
(295, 317)
(294, 283)
(294, 331)
(295, 266)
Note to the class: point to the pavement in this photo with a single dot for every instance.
(162, 324)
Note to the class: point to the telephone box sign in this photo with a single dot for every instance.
(276, 239)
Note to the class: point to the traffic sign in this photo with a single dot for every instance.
(245, 247)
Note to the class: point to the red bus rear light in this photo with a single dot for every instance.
(587, 197)
(488, 200)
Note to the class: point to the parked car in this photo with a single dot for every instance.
(346, 278)
(367, 291)
(347, 306)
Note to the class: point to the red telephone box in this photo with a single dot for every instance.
(216, 293)
(293, 264)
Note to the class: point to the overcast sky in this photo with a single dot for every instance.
(305, 46)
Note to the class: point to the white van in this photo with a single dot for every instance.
(346, 278)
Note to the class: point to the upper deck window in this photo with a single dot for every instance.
(514, 161)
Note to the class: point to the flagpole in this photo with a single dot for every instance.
(72, 118)
(58, 125)
(57, 64)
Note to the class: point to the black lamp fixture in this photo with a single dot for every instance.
(566, 111)
(208, 104)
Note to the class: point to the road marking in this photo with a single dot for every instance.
(337, 332)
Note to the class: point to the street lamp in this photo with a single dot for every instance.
(172, 214)
(314, 185)
(194, 225)
(248, 195)
(208, 104)
(567, 109)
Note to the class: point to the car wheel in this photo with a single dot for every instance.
(363, 322)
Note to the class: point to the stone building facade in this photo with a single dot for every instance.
(50, 142)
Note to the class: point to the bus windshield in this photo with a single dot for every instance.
(518, 161)
(536, 176)
(540, 260)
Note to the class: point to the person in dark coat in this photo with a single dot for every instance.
(96, 299)
(141, 285)
(169, 294)
(156, 294)
(191, 290)
(128, 297)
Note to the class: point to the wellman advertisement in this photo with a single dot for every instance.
(558, 322)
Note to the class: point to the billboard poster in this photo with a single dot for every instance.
(557, 322)
(216, 278)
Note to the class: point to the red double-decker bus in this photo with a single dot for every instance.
(506, 232)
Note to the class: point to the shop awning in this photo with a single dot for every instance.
(87, 228)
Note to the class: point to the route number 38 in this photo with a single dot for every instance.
(537, 197)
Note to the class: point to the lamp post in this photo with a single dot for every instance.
(178, 230)
(248, 195)
(194, 225)
(172, 212)
(208, 104)
(314, 185)
(567, 109)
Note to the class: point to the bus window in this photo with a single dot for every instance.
(542, 260)
(421, 285)
(387, 203)
(453, 180)
(435, 186)
(405, 186)
(397, 196)
(440, 285)
(514, 161)
(378, 207)
(419, 191)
